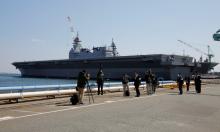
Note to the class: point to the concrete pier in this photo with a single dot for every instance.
(165, 111)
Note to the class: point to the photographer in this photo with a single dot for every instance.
(81, 83)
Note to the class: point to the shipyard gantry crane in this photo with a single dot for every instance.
(209, 55)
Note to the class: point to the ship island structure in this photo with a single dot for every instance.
(164, 66)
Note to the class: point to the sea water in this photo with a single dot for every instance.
(16, 81)
(11, 80)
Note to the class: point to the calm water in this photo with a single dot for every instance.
(7, 80)
(12, 80)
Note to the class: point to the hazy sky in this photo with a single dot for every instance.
(38, 29)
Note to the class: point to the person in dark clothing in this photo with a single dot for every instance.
(137, 82)
(125, 81)
(148, 80)
(195, 81)
(198, 83)
(187, 79)
(154, 83)
(81, 83)
(180, 83)
(100, 81)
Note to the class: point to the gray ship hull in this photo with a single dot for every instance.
(164, 66)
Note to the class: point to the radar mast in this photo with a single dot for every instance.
(114, 49)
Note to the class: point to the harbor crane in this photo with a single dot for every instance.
(209, 55)
(71, 26)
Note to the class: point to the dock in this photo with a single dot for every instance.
(164, 111)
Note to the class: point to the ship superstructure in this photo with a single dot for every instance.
(77, 52)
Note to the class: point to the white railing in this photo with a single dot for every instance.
(19, 92)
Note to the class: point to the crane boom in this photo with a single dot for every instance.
(189, 45)
(71, 25)
(198, 50)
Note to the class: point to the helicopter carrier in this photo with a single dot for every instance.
(164, 66)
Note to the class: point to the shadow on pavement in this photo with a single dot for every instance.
(210, 94)
(194, 93)
(177, 93)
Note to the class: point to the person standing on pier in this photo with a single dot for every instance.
(180, 83)
(187, 79)
(148, 80)
(154, 83)
(198, 83)
(125, 81)
(100, 81)
(137, 82)
(81, 83)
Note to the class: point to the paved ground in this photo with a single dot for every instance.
(165, 111)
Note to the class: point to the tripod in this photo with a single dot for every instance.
(89, 92)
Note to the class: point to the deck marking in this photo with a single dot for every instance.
(79, 107)
(6, 118)
(25, 111)
(109, 101)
